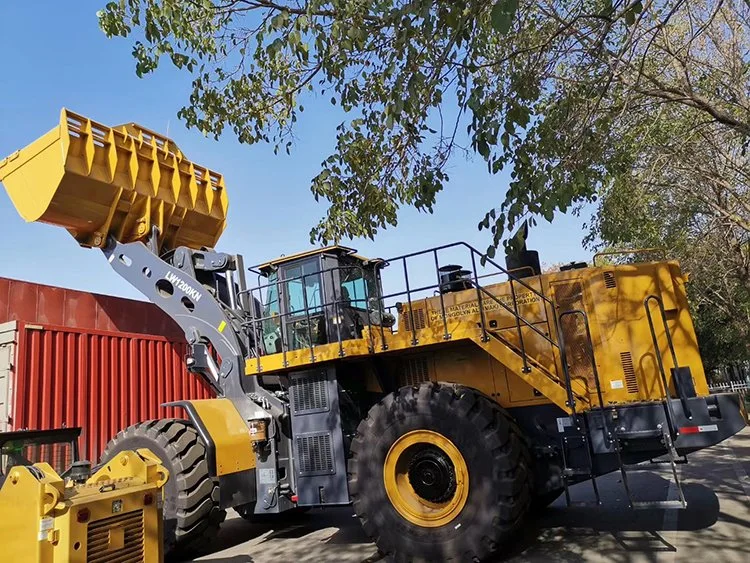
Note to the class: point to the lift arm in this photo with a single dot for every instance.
(155, 215)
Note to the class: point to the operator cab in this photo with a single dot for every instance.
(319, 297)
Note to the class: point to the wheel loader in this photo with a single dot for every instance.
(442, 394)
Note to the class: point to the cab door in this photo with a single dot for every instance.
(303, 303)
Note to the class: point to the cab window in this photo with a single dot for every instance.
(302, 281)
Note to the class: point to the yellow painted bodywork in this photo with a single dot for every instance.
(96, 181)
(611, 296)
(229, 433)
(39, 513)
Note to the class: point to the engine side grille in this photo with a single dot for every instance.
(631, 383)
(100, 535)
(314, 454)
(310, 394)
(609, 280)
(419, 319)
(415, 371)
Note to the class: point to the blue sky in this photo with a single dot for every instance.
(55, 56)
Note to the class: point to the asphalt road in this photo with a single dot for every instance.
(715, 526)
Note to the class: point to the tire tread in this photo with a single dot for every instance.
(511, 470)
(197, 515)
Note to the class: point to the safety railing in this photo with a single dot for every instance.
(409, 295)
(308, 311)
(482, 293)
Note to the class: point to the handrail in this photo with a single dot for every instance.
(446, 334)
(524, 321)
(592, 360)
(480, 302)
(282, 284)
(473, 250)
(553, 377)
(512, 279)
(662, 372)
(556, 340)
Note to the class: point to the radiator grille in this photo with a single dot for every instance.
(310, 393)
(414, 371)
(314, 454)
(569, 297)
(609, 280)
(419, 319)
(631, 383)
(101, 534)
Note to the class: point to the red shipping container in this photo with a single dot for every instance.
(45, 304)
(79, 375)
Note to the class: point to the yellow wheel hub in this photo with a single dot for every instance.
(426, 478)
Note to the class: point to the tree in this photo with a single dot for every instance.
(545, 88)
(689, 193)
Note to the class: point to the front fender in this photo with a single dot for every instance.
(224, 433)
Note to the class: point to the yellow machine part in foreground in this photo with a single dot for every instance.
(116, 515)
(97, 181)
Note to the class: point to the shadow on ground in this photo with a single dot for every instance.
(309, 537)
(707, 529)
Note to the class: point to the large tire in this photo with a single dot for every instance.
(494, 457)
(191, 505)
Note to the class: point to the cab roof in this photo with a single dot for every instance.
(335, 249)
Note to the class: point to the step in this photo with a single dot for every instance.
(583, 504)
(659, 504)
(572, 471)
(640, 434)
(646, 465)
(635, 467)
(679, 461)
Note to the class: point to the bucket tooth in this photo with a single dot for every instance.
(97, 181)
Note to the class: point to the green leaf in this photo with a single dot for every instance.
(483, 148)
(502, 15)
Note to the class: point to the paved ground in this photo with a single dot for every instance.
(715, 526)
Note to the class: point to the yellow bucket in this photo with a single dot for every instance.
(96, 181)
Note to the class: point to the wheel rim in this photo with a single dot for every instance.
(426, 478)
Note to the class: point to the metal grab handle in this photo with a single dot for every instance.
(592, 360)
(657, 352)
